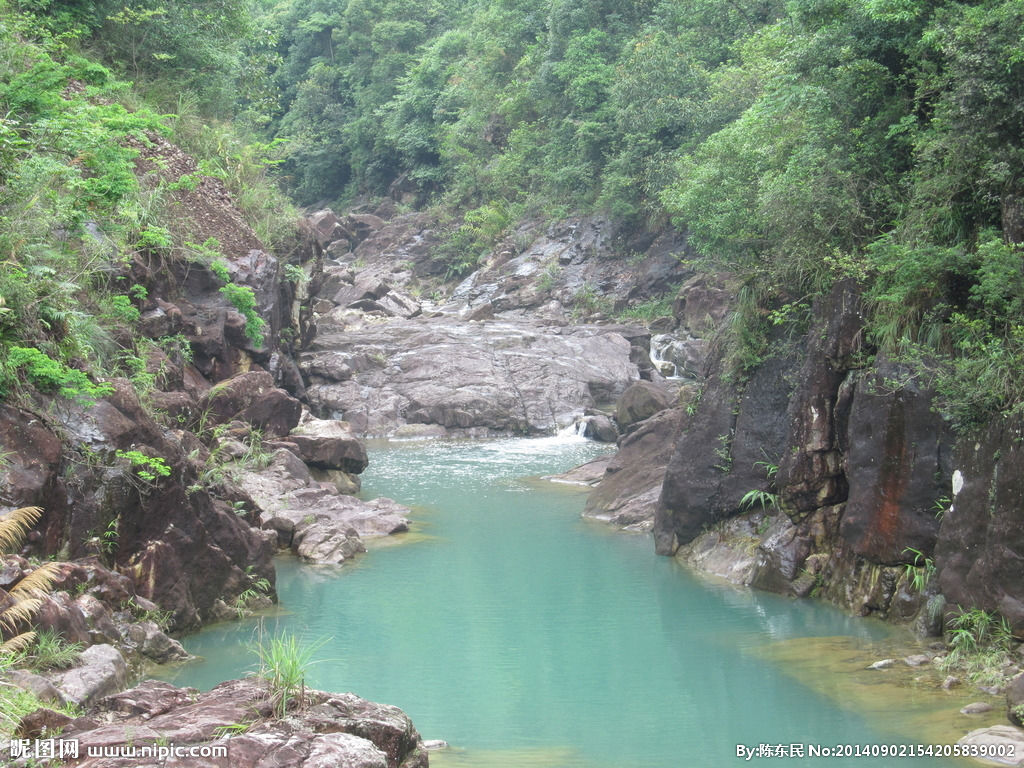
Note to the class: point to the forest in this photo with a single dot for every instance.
(796, 144)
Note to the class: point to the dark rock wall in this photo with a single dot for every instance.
(980, 551)
(865, 466)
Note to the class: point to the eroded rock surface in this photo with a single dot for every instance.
(490, 376)
(324, 730)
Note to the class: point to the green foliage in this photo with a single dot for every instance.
(51, 651)
(648, 310)
(16, 702)
(243, 299)
(762, 499)
(283, 662)
(49, 375)
(921, 571)
(294, 274)
(979, 644)
(259, 587)
(481, 229)
(148, 468)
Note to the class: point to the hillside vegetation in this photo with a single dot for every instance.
(796, 143)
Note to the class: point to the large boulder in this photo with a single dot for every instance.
(313, 518)
(329, 444)
(640, 401)
(251, 397)
(897, 461)
(628, 493)
(722, 451)
(101, 671)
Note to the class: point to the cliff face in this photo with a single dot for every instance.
(866, 468)
(177, 533)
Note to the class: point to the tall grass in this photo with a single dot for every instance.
(283, 662)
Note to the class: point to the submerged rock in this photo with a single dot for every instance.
(998, 738)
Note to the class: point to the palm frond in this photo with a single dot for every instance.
(21, 612)
(18, 643)
(39, 581)
(14, 525)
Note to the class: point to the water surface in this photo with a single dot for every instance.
(525, 636)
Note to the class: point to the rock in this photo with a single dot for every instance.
(313, 518)
(98, 619)
(102, 670)
(343, 749)
(896, 461)
(702, 303)
(676, 355)
(329, 444)
(343, 481)
(883, 664)
(640, 401)
(950, 682)
(495, 377)
(59, 614)
(600, 428)
(1015, 700)
(629, 491)
(1006, 737)
(917, 660)
(981, 541)
(152, 643)
(589, 474)
(720, 451)
(811, 476)
(397, 304)
(42, 723)
(43, 689)
(328, 228)
(329, 731)
(324, 543)
(976, 708)
(252, 397)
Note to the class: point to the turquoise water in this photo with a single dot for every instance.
(525, 636)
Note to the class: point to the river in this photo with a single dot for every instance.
(528, 637)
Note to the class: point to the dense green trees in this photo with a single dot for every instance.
(795, 142)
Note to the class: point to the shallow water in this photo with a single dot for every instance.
(525, 636)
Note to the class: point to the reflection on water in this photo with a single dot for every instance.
(523, 635)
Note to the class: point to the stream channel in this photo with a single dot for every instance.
(526, 636)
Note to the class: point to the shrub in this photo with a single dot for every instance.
(49, 375)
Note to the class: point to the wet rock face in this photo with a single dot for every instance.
(811, 474)
(981, 539)
(897, 460)
(720, 453)
(630, 486)
(179, 549)
(500, 377)
(252, 397)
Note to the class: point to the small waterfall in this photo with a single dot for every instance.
(660, 344)
(574, 431)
